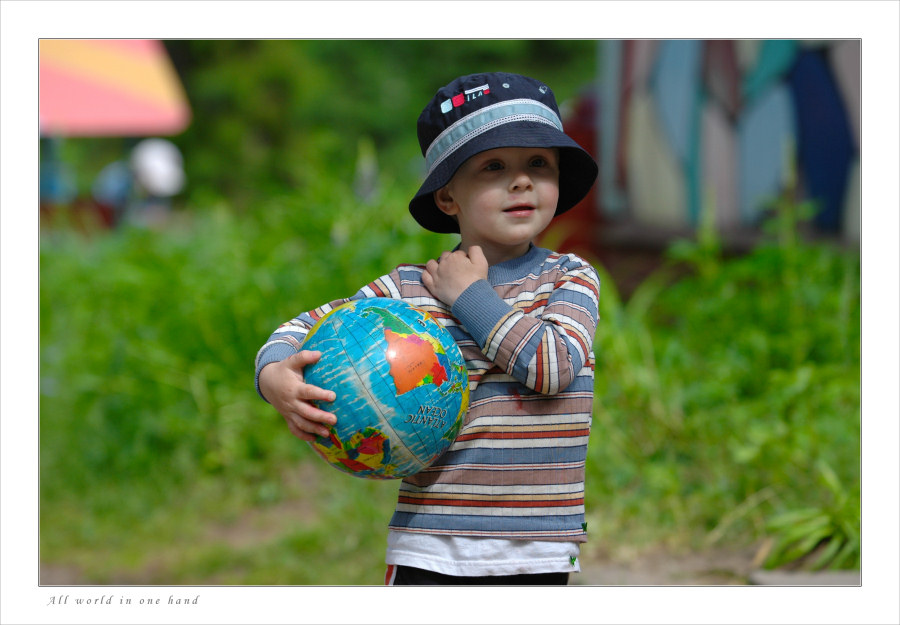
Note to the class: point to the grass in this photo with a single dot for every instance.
(727, 402)
(730, 401)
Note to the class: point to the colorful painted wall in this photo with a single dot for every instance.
(680, 124)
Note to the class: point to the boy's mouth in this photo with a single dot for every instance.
(523, 209)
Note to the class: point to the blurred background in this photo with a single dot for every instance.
(193, 194)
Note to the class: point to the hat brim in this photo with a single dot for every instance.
(577, 170)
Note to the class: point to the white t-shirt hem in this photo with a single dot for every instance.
(461, 555)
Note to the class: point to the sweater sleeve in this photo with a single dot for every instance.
(288, 338)
(543, 352)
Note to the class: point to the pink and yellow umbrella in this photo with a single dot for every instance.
(109, 87)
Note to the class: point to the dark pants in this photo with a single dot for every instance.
(411, 576)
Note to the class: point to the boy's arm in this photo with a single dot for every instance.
(544, 353)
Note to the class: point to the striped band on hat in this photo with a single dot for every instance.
(482, 120)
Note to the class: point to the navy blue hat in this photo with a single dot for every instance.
(485, 111)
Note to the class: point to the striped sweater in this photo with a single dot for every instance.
(516, 470)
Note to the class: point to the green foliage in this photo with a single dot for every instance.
(268, 114)
(821, 536)
(723, 397)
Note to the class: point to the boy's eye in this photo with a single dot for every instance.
(493, 166)
(538, 161)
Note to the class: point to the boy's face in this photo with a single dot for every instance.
(503, 198)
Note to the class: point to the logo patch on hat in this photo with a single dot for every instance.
(466, 96)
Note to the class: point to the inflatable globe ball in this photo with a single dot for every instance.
(400, 382)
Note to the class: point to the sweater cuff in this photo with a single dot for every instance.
(480, 309)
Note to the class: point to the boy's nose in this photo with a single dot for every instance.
(520, 181)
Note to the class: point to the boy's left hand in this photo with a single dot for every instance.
(454, 272)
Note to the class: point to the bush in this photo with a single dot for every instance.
(729, 400)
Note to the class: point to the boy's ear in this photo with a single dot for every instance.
(445, 201)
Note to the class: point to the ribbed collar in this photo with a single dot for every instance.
(517, 268)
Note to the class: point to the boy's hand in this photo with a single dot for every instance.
(454, 272)
(281, 383)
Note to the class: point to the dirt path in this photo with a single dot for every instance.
(656, 567)
(716, 567)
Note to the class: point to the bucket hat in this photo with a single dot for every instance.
(484, 111)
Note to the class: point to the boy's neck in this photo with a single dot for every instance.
(495, 256)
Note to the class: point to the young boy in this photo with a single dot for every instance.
(505, 503)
